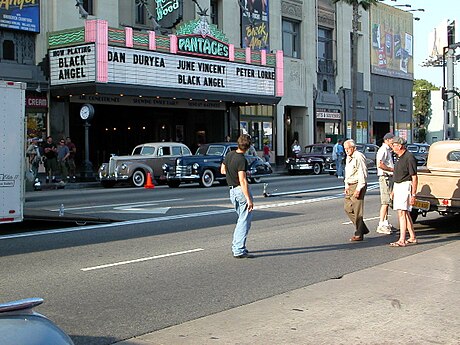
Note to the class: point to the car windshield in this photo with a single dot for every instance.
(209, 150)
(147, 150)
(317, 149)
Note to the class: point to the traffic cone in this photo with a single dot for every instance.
(149, 183)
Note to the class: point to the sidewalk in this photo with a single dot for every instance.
(413, 300)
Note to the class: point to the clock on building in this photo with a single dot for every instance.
(86, 112)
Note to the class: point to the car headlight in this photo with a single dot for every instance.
(329, 160)
(195, 166)
(102, 168)
(123, 166)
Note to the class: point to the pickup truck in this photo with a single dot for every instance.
(439, 181)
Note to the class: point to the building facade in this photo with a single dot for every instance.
(300, 47)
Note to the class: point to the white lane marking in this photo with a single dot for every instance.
(141, 259)
(116, 205)
(134, 209)
(162, 219)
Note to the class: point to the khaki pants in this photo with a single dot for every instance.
(354, 208)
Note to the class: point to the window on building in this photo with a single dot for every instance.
(291, 38)
(325, 51)
(88, 6)
(140, 15)
(215, 12)
(8, 50)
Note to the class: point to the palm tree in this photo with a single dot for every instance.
(365, 4)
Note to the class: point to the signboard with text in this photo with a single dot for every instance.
(255, 25)
(391, 42)
(148, 68)
(20, 15)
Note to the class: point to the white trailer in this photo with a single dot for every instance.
(12, 151)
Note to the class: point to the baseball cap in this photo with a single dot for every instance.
(388, 136)
(399, 140)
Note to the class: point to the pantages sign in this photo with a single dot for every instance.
(200, 38)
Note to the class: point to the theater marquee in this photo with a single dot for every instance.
(139, 67)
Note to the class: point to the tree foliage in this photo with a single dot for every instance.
(422, 106)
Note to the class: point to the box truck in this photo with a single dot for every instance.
(12, 151)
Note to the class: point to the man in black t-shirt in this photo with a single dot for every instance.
(234, 167)
(50, 158)
(404, 189)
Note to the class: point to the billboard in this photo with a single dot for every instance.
(254, 25)
(20, 15)
(391, 42)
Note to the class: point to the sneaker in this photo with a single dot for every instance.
(384, 229)
(340, 177)
(244, 256)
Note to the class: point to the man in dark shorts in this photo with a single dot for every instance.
(234, 167)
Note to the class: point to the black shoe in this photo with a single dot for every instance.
(244, 256)
(47, 180)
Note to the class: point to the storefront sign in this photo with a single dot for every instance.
(21, 15)
(148, 68)
(328, 114)
(148, 102)
(36, 102)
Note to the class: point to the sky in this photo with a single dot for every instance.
(435, 12)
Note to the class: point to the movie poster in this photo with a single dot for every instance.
(255, 25)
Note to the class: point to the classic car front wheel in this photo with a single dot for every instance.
(317, 168)
(255, 179)
(138, 178)
(207, 178)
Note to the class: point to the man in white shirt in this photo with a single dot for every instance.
(385, 168)
(355, 189)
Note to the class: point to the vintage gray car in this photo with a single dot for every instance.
(145, 158)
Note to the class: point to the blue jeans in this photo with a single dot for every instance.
(339, 166)
(244, 221)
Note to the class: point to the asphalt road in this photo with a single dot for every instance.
(169, 260)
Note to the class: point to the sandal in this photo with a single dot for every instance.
(397, 244)
(409, 241)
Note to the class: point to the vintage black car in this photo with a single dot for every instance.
(312, 159)
(368, 150)
(204, 166)
(420, 152)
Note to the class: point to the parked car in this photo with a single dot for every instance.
(420, 152)
(369, 151)
(20, 324)
(311, 160)
(438, 186)
(145, 158)
(204, 166)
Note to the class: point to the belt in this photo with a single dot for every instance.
(231, 187)
(352, 183)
